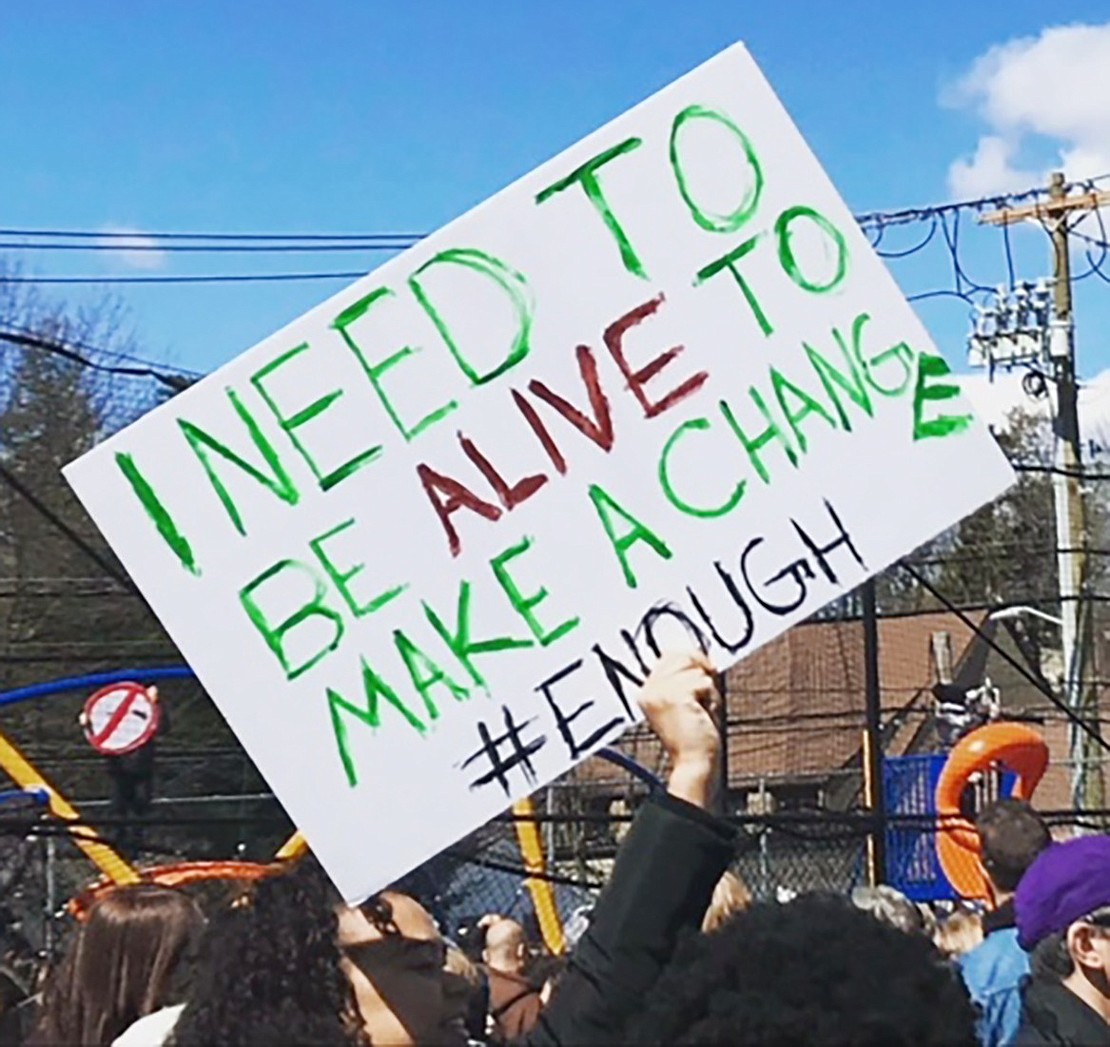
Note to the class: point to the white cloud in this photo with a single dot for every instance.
(1052, 89)
(133, 248)
(994, 401)
(990, 169)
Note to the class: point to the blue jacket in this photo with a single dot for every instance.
(993, 973)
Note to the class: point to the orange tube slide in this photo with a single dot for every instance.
(1011, 746)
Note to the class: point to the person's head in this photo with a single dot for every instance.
(1011, 835)
(471, 938)
(506, 947)
(729, 896)
(891, 906)
(294, 963)
(959, 933)
(1062, 906)
(121, 965)
(405, 981)
(815, 970)
(457, 962)
(271, 970)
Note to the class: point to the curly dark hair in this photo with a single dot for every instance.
(269, 971)
(817, 971)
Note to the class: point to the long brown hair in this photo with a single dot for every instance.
(120, 965)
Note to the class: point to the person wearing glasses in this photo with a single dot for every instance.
(661, 886)
(291, 963)
(1062, 907)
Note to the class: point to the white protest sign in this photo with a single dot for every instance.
(421, 544)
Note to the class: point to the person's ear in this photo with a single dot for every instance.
(988, 878)
(1083, 948)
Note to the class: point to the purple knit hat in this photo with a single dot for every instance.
(1066, 882)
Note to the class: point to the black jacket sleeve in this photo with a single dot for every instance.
(661, 885)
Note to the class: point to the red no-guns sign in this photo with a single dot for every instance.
(120, 718)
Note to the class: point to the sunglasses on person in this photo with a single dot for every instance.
(1099, 920)
(394, 954)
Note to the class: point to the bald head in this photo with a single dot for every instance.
(506, 949)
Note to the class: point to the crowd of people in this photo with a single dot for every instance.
(675, 951)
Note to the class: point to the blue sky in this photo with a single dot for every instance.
(369, 117)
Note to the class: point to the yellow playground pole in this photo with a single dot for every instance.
(294, 847)
(106, 859)
(542, 891)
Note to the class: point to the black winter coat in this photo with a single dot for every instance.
(1051, 1015)
(661, 885)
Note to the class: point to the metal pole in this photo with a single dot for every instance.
(51, 905)
(873, 740)
(764, 843)
(723, 802)
(549, 829)
(765, 863)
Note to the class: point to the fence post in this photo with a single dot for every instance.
(50, 908)
(873, 740)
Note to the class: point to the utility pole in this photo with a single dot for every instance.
(1071, 530)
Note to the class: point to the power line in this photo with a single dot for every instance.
(141, 369)
(196, 278)
(1055, 470)
(882, 219)
(127, 239)
(77, 234)
(919, 246)
(944, 217)
(75, 344)
(217, 248)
